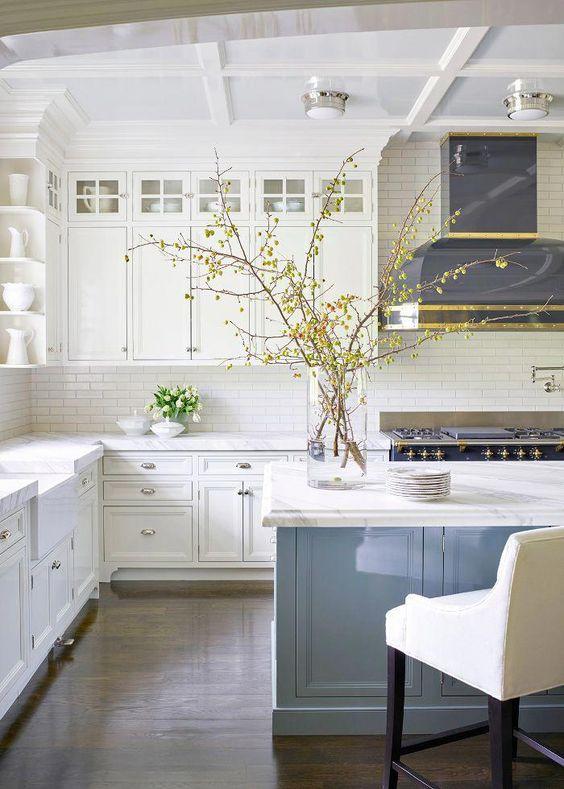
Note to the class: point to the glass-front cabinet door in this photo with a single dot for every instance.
(355, 194)
(54, 193)
(287, 195)
(97, 196)
(206, 195)
(161, 195)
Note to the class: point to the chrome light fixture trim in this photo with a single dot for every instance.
(324, 104)
(527, 105)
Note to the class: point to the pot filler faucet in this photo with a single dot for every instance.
(549, 384)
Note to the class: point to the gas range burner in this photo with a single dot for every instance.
(532, 433)
(417, 433)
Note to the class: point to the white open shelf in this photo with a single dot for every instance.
(20, 209)
(21, 312)
(22, 260)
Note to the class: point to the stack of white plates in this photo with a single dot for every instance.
(418, 483)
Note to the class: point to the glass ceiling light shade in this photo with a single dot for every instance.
(324, 99)
(526, 101)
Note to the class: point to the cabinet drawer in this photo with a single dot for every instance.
(235, 465)
(148, 490)
(148, 464)
(86, 480)
(148, 534)
(12, 529)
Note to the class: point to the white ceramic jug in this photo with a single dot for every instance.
(18, 188)
(18, 242)
(18, 296)
(17, 350)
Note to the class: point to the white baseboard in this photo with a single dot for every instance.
(192, 574)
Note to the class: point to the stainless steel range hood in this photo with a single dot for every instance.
(492, 180)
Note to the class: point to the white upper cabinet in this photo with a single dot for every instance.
(344, 261)
(356, 194)
(211, 337)
(165, 196)
(52, 288)
(97, 276)
(205, 196)
(161, 312)
(286, 195)
(95, 196)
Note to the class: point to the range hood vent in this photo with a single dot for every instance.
(492, 181)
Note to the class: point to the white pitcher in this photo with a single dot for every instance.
(17, 350)
(18, 183)
(18, 242)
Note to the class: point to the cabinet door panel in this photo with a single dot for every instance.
(344, 261)
(355, 193)
(95, 196)
(161, 195)
(161, 313)
(347, 579)
(41, 625)
(211, 338)
(206, 196)
(52, 288)
(148, 534)
(83, 544)
(60, 581)
(257, 545)
(286, 195)
(14, 641)
(220, 522)
(97, 276)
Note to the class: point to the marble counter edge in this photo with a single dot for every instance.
(18, 493)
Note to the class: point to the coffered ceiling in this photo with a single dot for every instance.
(414, 81)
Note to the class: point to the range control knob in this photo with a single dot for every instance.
(536, 454)
(424, 454)
(488, 453)
(520, 453)
(503, 453)
(439, 454)
(410, 453)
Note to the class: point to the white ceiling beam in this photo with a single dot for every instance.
(513, 69)
(460, 49)
(212, 58)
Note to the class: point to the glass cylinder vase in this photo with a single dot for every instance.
(337, 421)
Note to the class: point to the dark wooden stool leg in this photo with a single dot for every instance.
(501, 742)
(515, 724)
(394, 716)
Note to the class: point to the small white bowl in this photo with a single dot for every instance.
(167, 429)
(134, 425)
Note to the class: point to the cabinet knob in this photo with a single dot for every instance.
(148, 532)
(247, 491)
(242, 465)
(148, 465)
(51, 349)
(188, 194)
(124, 348)
(239, 492)
(56, 564)
(123, 195)
(5, 534)
(84, 482)
(147, 491)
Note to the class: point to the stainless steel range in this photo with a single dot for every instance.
(476, 443)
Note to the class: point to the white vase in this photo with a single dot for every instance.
(18, 188)
(17, 350)
(18, 242)
(18, 296)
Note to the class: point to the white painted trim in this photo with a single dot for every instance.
(216, 85)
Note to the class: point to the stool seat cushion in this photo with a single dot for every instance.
(507, 641)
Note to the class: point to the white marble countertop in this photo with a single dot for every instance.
(14, 493)
(45, 482)
(488, 494)
(65, 448)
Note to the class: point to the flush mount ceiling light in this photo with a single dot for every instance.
(526, 101)
(324, 99)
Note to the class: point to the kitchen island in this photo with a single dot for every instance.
(345, 558)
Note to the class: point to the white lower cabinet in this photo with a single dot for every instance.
(60, 581)
(14, 585)
(220, 521)
(147, 534)
(51, 593)
(257, 540)
(41, 625)
(83, 544)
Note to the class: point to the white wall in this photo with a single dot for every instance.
(489, 372)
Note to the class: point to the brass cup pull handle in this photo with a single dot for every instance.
(56, 564)
(5, 534)
(242, 465)
(147, 491)
(148, 465)
(148, 532)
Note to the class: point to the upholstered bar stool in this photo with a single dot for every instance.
(507, 641)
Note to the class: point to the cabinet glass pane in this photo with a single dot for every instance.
(172, 187)
(273, 206)
(85, 187)
(206, 186)
(295, 205)
(108, 188)
(353, 205)
(85, 205)
(150, 187)
(150, 205)
(172, 205)
(273, 186)
(234, 203)
(208, 205)
(295, 186)
(50, 199)
(325, 186)
(108, 205)
(353, 187)
(234, 186)
(55, 202)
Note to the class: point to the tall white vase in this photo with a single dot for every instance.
(17, 350)
(19, 183)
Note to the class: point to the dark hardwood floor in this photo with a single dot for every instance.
(168, 686)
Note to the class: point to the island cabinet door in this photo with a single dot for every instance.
(346, 581)
(470, 561)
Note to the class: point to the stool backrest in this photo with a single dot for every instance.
(531, 579)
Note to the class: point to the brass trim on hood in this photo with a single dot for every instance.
(486, 134)
(497, 307)
(435, 316)
(491, 235)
